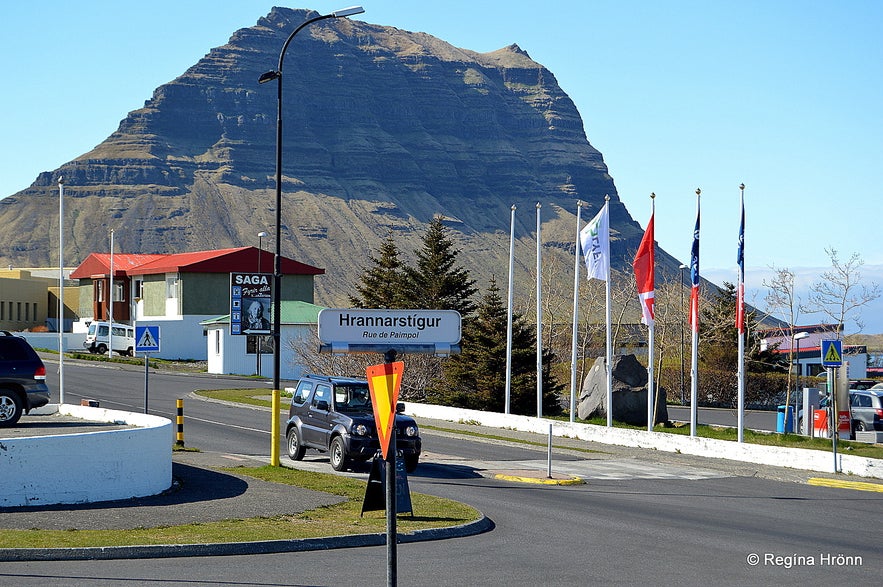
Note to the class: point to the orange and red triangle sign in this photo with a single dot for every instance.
(383, 383)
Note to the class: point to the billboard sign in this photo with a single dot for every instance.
(251, 295)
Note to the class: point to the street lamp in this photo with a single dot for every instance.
(277, 259)
(682, 267)
(797, 338)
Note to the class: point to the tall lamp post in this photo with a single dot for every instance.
(259, 339)
(277, 259)
(797, 338)
(682, 267)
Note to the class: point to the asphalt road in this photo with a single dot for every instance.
(736, 525)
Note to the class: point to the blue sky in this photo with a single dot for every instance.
(784, 96)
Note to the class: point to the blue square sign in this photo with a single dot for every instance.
(146, 339)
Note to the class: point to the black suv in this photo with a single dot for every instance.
(22, 379)
(334, 415)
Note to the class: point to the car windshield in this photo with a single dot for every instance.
(352, 398)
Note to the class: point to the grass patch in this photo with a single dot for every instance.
(252, 397)
(335, 520)
(506, 438)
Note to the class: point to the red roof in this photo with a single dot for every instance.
(242, 259)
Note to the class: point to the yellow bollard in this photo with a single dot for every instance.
(179, 437)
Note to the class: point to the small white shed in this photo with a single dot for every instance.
(249, 354)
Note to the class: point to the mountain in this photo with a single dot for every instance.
(383, 129)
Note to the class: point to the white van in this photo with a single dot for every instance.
(97, 339)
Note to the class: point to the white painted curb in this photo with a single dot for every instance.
(794, 458)
(88, 467)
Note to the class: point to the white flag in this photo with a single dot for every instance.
(595, 243)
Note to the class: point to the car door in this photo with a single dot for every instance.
(861, 411)
(316, 422)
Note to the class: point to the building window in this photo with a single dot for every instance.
(138, 289)
(118, 292)
(217, 342)
(171, 287)
(2, 310)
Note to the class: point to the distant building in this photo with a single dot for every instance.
(177, 292)
(783, 340)
(29, 300)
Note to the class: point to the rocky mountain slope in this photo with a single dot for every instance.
(383, 129)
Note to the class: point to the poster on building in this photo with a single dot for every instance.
(250, 298)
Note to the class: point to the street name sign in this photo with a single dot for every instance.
(376, 330)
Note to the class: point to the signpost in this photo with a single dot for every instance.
(389, 332)
(832, 358)
(146, 341)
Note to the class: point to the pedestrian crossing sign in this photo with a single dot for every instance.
(147, 339)
(832, 353)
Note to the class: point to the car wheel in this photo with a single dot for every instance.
(859, 426)
(10, 408)
(411, 463)
(295, 449)
(101, 349)
(338, 454)
(130, 352)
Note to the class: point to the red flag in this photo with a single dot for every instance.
(644, 265)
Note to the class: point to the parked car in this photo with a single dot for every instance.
(98, 339)
(866, 409)
(334, 415)
(22, 379)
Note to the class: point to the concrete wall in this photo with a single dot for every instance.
(795, 458)
(88, 467)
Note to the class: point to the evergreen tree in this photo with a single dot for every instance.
(476, 378)
(719, 347)
(381, 284)
(437, 282)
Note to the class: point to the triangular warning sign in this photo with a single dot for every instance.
(384, 382)
(832, 356)
(147, 339)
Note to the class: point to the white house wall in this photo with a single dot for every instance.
(233, 360)
(180, 338)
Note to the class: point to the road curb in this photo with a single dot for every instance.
(483, 524)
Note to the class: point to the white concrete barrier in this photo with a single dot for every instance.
(795, 458)
(91, 466)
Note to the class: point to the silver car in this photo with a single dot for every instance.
(866, 407)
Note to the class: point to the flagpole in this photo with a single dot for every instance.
(539, 317)
(740, 317)
(694, 326)
(609, 360)
(594, 240)
(651, 395)
(509, 311)
(575, 332)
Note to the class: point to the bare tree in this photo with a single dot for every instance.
(840, 293)
(782, 299)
